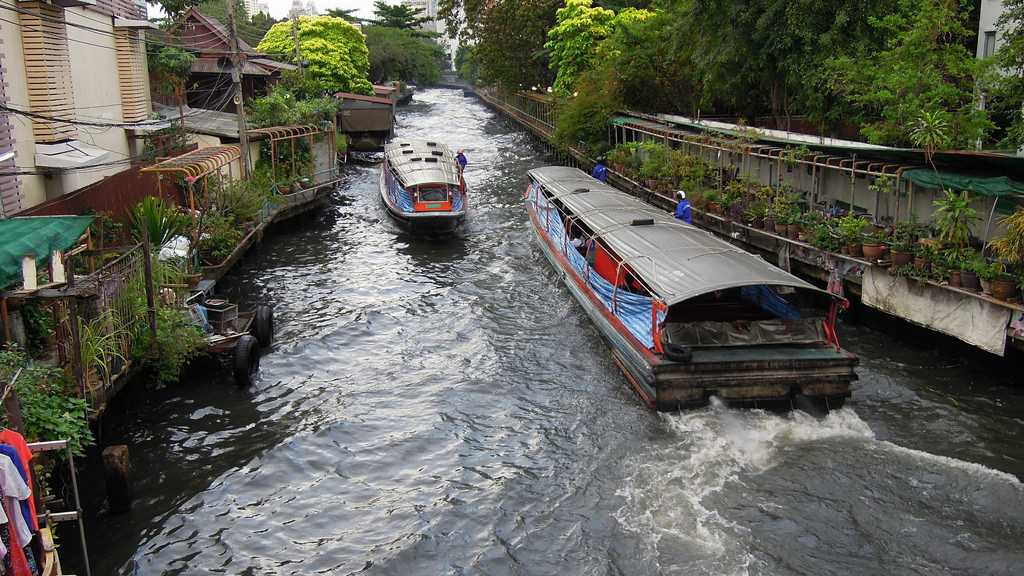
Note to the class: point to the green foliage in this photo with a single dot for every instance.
(400, 54)
(169, 68)
(161, 219)
(508, 38)
(584, 118)
(240, 200)
(851, 228)
(100, 345)
(923, 72)
(220, 238)
(177, 341)
(1010, 247)
(39, 326)
(953, 216)
(466, 63)
(50, 407)
(572, 42)
(335, 52)
(282, 107)
(400, 16)
(348, 15)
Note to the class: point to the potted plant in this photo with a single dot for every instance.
(808, 222)
(901, 243)
(987, 272)
(875, 245)
(924, 255)
(851, 230)
(714, 201)
(969, 279)
(953, 217)
(1010, 250)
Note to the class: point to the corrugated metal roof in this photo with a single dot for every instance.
(346, 96)
(676, 260)
(421, 162)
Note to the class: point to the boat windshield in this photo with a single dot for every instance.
(433, 194)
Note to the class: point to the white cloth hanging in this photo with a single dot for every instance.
(15, 490)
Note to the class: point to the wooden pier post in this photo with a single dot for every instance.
(117, 473)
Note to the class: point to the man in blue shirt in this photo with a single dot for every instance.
(601, 170)
(683, 210)
(461, 159)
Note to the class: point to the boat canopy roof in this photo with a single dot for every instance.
(421, 162)
(676, 260)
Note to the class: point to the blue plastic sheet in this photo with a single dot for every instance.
(634, 310)
(399, 196)
(769, 300)
(458, 200)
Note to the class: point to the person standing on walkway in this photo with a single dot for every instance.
(683, 210)
(601, 170)
(460, 158)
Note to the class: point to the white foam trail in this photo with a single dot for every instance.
(665, 495)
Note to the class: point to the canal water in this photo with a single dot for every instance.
(446, 408)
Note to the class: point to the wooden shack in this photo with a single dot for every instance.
(367, 121)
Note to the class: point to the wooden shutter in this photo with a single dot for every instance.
(48, 71)
(131, 74)
(10, 189)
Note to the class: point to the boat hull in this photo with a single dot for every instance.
(756, 376)
(420, 222)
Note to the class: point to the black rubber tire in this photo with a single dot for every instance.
(247, 360)
(263, 325)
(677, 353)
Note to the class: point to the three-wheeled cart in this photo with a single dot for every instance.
(235, 338)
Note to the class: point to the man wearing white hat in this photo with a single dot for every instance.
(683, 210)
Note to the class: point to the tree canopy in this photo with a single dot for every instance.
(397, 15)
(399, 54)
(334, 51)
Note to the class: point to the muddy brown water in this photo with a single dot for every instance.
(447, 408)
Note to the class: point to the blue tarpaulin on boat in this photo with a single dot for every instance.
(634, 310)
(458, 201)
(768, 299)
(399, 196)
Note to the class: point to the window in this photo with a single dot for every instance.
(990, 44)
(433, 194)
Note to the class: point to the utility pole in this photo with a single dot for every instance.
(298, 49)
(236, 78)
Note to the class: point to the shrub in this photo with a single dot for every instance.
(50, 406)
(178, 340)
(161, 219)
(220, 239)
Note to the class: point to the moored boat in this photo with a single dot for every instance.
(687, 315)
(421, 185)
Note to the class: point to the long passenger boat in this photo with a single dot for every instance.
(421, 185)
(687, 316)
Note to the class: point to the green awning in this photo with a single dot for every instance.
(39, 235)
(997, 186)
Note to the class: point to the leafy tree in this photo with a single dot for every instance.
(572, 42)
(925, 66)
(398, 15)
(1005, 78)
(283, 108)
(348, 15)
(399, 54)
(175, 8)
(466, 64)
(334, 50)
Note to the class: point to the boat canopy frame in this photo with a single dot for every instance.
(419, 162)
(685, 261)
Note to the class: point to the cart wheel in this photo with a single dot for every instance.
(247, 360)
(263, 325)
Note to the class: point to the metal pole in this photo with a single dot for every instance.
(991, 216)
(236, 79)
(298, 49)
(147, 268)
(78, 508)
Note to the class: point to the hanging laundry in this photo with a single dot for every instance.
(17, 441)
(12, 490)
(24, 503)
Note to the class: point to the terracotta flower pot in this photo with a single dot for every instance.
(1004, 288)
(969, 280)
(922, 264)
(855, 250)
(954, 278)
(780, 229)
(874, 251)
(901, 258)
(793, 231)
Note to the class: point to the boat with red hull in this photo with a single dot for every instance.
(422, 186)
(687, 315)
